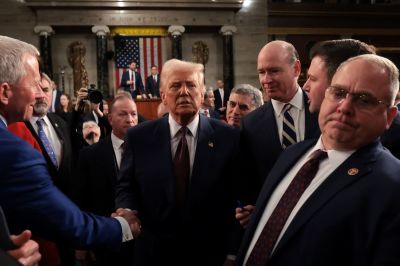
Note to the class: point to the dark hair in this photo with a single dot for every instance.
(334, 52)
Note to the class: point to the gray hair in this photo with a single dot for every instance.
(389, 66)
(248, 90)
(12, 52)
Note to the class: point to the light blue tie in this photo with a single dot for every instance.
(46, 143)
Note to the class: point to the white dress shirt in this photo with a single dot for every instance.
(221, 92)
(297, 112)
(116, 143)
(191, 137)
(326, 167)
(51, 135)
(132, 77)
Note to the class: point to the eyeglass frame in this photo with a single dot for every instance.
(354, 95)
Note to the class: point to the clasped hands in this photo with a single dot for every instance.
(132, 219)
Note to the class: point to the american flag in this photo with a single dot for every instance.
(145, 51)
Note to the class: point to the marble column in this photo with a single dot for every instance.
(45, 48)
(176, 33)
(227, 41)
(101, 32)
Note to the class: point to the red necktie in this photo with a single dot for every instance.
(272, 229)
(182, 168)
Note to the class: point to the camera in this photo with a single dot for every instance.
(94, 95)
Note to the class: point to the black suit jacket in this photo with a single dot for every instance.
(63, 175)
(138, 82)
(147, 184)
(353, 218)
(218, 101)
(261, 146)
(153, 87)
(391, 137)
(95, 193)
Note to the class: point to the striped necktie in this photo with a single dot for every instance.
(46, 142)
(288, 130)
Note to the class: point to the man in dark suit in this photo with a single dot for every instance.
(57, 133)
(98, 168)
(131, 81)
(27, 194)
(325, 58)
(221, 97)
(153, 83)
(180, 184)
(208, 107)
(263, 130)
(344, 209)
(55, 100)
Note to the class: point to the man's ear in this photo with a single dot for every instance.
(5, 93)
(391, 114)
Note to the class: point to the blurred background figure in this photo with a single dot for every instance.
(90, 132)
(221, 97)
(153, 83)
(65, 108)
(207, 107)
(243, 99)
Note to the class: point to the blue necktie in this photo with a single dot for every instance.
(46, 143)
(288, 130)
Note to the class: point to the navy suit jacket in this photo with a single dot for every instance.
(218, 101)
(31, 201)
(138, 82)
(153, 87)
(351, 219)
(391, 137)
(261, 146)
(199, 237)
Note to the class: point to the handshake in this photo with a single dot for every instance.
(132, 219)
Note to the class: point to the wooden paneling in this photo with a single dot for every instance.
(148, 107)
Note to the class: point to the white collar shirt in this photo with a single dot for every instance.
(191, 137)
(326, 167)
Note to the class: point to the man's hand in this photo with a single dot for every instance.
(131, 218)
(96, 109)
(27, 252)
(243, 214)
(81, 95)
(222, 109)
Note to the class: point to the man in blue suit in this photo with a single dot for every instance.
(177, 173)
(131, 81)
(278, 68)
(348, 212)
(27, 194)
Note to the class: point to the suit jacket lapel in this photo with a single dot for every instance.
(342, 177)
(271, 134)
(275, 176)
(202, 157)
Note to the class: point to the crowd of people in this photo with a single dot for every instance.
(221, 178)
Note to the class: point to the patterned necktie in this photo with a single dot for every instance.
(288, 129)
(272, 229)
(46, 143)
(182, 168)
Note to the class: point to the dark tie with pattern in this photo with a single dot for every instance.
(182, 168)
(46, 143)
(288, 130)
(272, 229)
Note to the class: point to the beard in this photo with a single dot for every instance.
(40, 108)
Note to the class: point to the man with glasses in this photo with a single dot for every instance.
(334, 201)
(243, 99)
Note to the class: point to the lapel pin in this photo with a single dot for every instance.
(55, 124)
(210, 144)
(352, 171)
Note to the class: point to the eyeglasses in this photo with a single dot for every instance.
(361, 100)
(242, 107)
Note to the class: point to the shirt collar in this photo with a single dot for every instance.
(333, 155)
(296, 101)
(174, 127)
(116, 142)
(36, 118)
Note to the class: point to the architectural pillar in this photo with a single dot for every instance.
(45, 47)
(176, 33)
(227, 41)
(101, 58)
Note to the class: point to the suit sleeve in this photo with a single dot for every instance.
(31, 201)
